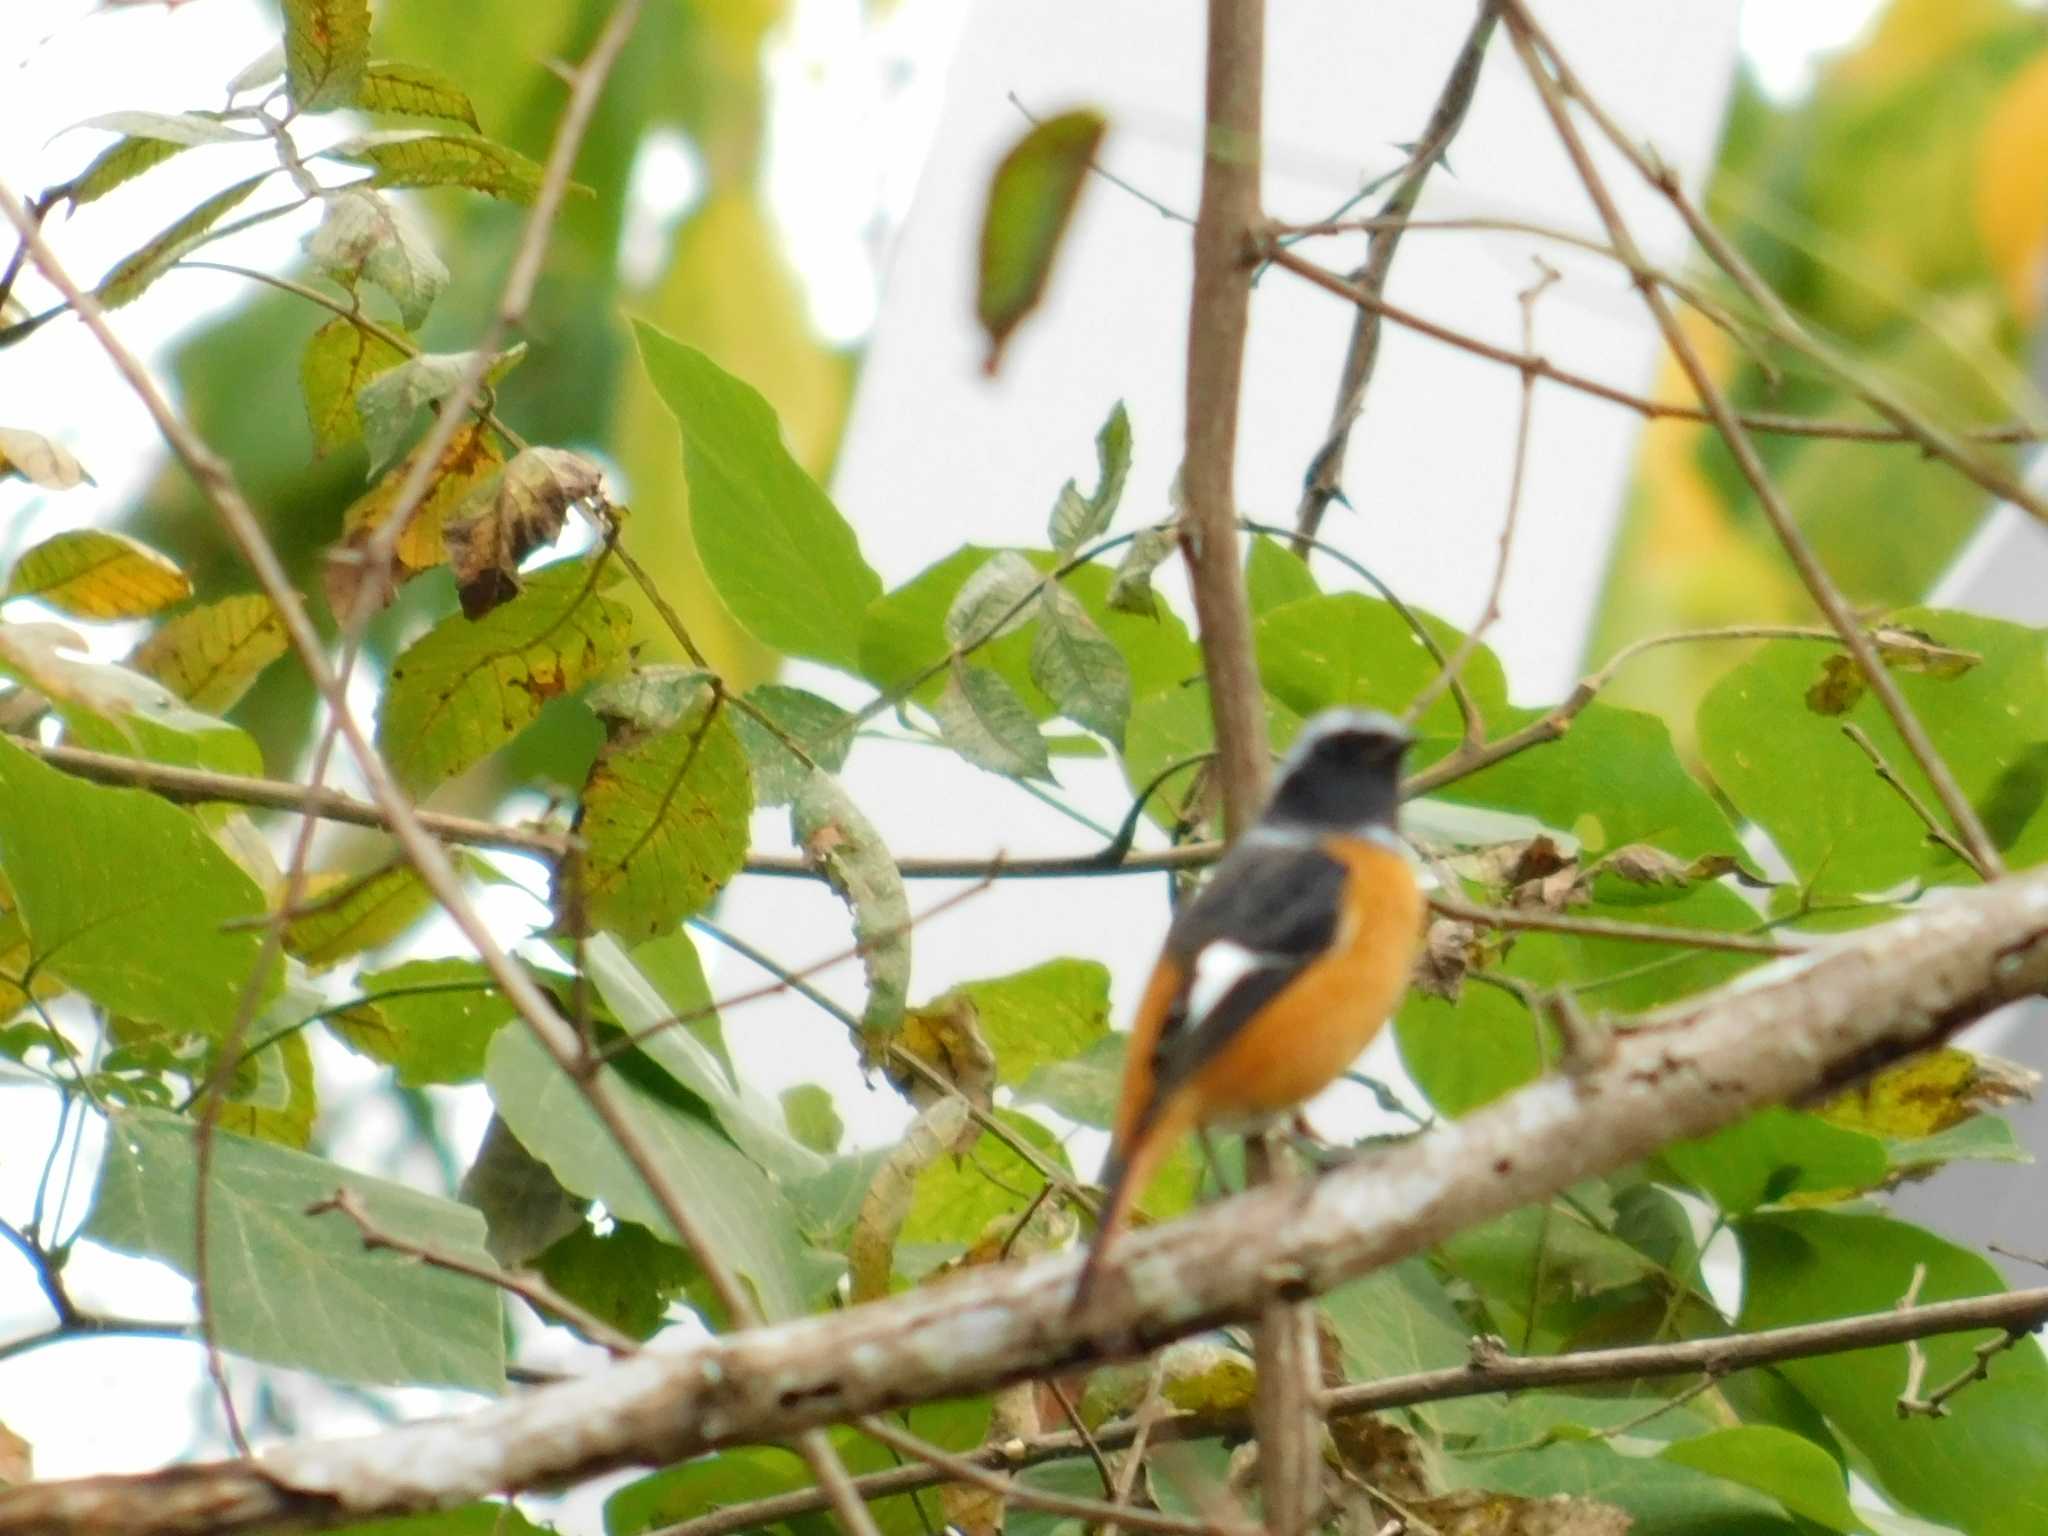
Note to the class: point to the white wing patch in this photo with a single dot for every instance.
(1220, 965)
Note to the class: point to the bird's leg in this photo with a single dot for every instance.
(1311, 1148)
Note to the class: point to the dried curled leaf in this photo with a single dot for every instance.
(940, 1130)
(93, 574)
(471, 459)
(210, 656)
(843, 846)
(1840, 685)
(1076, 518)
(510, 517)
(1131, 591)
(946, 1035)
(39, 461)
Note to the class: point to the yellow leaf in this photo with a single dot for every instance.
(39, 461)
(472, 458)
(92, 574)
(1929, 1094)
(210, 656)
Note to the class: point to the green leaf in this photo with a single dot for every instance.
(1275, 576)
(384, 1317)
(1031, 198)
(627, 1276)
(664, 818)
(1319, 652)
(1842, 829)
(430, 1019)
(1613, 779)
(746, 1219)
(280, 1099)
(958, 1198)
(1794, 1471)
(1570, 1269)
(842, 844)
(778, 552)
(184, 129)
(342, 915)
(753, 1122)
(210, 656)
(132, 275)
(1776, 1153)
(818, 726)
(125, 897)
(1168, 729)
(120, 162)
(387, 404)
(1979, 1468)
(1081, 671)
(1034, 1018)
(1131, 590)
(94, 574)
(364, 237)
(1076, 518)
(426, 157)
(469, 686)
(413, 90)
(1084, 1087)
(341, 359)
(525, 1208)
(905, 635)
(996, 600)
(1397, 1320)
(39, 461)
(813, 1118)
(981, 718)
(326, 46)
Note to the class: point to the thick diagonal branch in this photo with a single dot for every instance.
(1799, 1027)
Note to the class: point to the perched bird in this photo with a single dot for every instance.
(1282, 969)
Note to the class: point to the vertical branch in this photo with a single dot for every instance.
(1290, 1428)
(1217, 319)
(1324, 482)
(1819, 585)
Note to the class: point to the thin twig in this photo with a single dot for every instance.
(1819, 584)
(1884, 770)
(529, 1288)
(1324, 482)
(1537, 920)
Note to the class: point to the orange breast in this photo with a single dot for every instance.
(1310, 1033)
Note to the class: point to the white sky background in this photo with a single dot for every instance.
(854, 113)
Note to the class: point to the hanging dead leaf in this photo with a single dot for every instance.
(509, 518)
(946, 1036)
(1640, 864)
(472, 458)
(39, 461)
(1450, 949)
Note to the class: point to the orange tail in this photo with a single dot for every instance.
(1126, 1178)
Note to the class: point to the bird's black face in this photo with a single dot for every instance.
(1344, 771)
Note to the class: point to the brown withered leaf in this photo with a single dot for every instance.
(507, 519)
(1552, 892)
(1841, 685)
(1838, 688)
(471, 459)
(1640, 864)
(1449, 951)
(1480, 1512)
(1507, 865)
(946, 1034)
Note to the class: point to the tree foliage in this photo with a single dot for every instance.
(168, 964)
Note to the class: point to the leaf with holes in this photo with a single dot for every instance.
(511, 516)
(39, 461)
(995, 601)
(326, 47)
(367, 238)
(663, 819)
(341, 359)
(413, 90)
(433, 158)
(125, 897)
(842, 845)
(131, 277)
(467, 687)
(779, 554)
(981, 718)
(1076, 518)
(1079, 667)
(210, 656)
(384, 1317)
(471, 459)
(92, 574)
(1031, 200)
